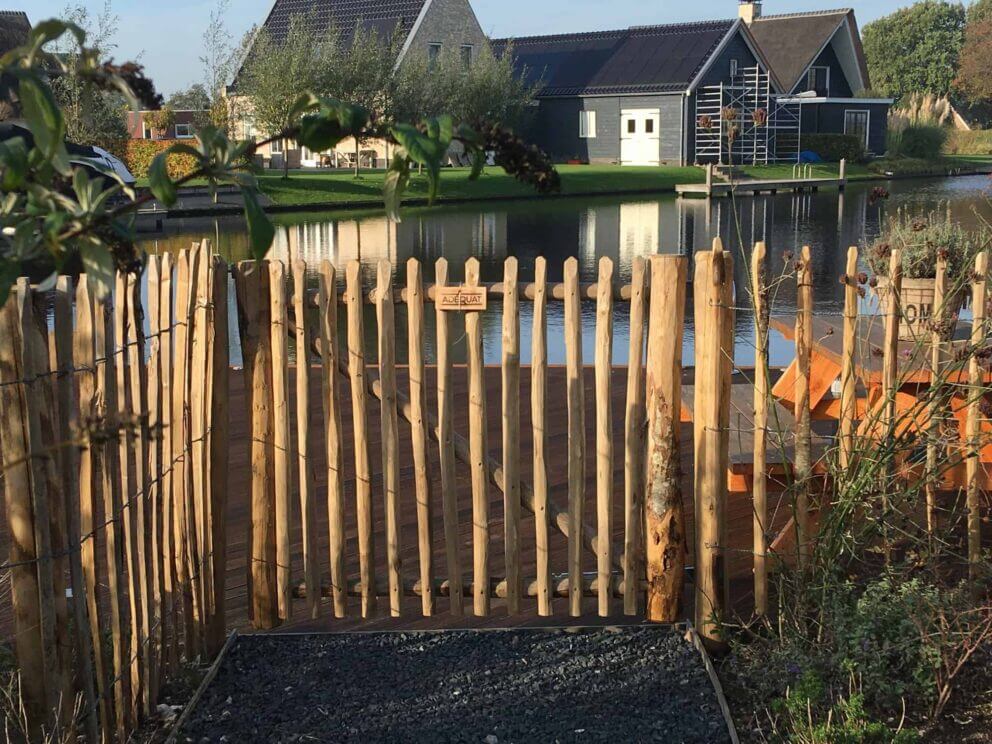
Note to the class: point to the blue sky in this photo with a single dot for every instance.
(167, 35)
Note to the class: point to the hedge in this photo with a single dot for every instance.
(974, 142)
(834, 147)
(137, 155)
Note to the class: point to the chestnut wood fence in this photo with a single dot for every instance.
(115, 449)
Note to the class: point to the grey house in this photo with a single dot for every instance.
(657, 94)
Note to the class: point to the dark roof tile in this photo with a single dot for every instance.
(790, 41)
(378, 15)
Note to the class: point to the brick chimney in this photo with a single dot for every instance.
(749, 10)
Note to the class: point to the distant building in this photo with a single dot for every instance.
(184, 127)
(657, 94)
(14, 30)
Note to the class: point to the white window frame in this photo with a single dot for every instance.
(587, 124)
(276, 147)
(810, 74)
(470, 49)
(146, 132)
(734, 67)
(434, 51)
(867, 113)
(189, 131)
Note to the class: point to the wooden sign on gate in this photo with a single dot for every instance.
(461, 299)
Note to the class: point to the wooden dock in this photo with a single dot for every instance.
(754, 187)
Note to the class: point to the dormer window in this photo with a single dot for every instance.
(733, 68)
(818, 80)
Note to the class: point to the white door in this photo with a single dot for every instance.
(640, 137)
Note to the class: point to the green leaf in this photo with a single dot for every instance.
(98, 263)
(43, 117)
(319, 133)
(395, 184)
(10, 270)
(306, 102)
(260, 229)
(159, 181)
(50, 30)
(13, 164)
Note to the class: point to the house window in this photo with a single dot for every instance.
(856, 123)
(466, 55)
(276, 147)
(147, 132)
(733, 68)
(433, 55)
(184, 131)
(587, 124)
(818, 79)
(649, 126)
(631, 126)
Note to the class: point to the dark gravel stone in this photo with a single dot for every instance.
(489, 687)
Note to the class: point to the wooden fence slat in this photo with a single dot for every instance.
(70, 431)
(359, 404)
(205, 319)
(664, 516)
(576, 430)
(938, 360)
(418, 429)
(604, 435)
(180, 438)
(890, 367)
(154, 497)
(804, 346)
(35, 361)
(973, 468)
(219, 454)
(138, 380)
(634, 438)
(539, 410)
(253, 303)
(108, 454)
(169, 585)
(390, 432)
(307, 487)
(446, 448)
(281, 440)
(759, 488)
(711, 283)
(848, 375)
(329, 355)
(511, 433)
(24, 589)
(195, 444)
(479, 448)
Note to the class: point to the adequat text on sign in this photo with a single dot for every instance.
(461, 299)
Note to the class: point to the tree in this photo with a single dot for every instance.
(980, 10)
(193, 98)
(220, 60)
(915, 49)
(974, 82)
(278, 71)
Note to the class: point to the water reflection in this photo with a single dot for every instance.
(621, 229)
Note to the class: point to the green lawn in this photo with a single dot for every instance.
(310, 187)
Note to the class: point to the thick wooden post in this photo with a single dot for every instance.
(479, 449)
(180, 449)
(154, 496)
(538, 403)
(938, 359)
(575, 394)
(665, 517)
(759, 489)
(281, 442)
(511, 434)
(604, 437)
(804, 345)
(420, 435)
(446, 449)
(979, 329)
(848, 378)
(329, 351)
(634, 439)
(712, 285)
(890, 373)
(169, 609)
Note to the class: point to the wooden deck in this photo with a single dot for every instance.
(754, 187)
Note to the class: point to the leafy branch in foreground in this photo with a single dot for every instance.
(52, 210)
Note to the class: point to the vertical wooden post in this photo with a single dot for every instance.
(511, 434)
(255, 323)
(478, 448)
(154, 497)
(390, 432)
(69, 431)
(359, 403)
(308, 512)
(979, 297)
(604, 436)
(23, 552)
(180, 448)
(206, 314)
(633, 465)
(575, 392)
(220, 364)
(35, 360)
(665, 518)
(281, 441)
(848, 378)
(446, 449)
(711, 284)
(166, 487)
(538, 402)
(804, 344)
(419, 432)
(938, 358)
(759, 489)
(328, 294)
(890, 372)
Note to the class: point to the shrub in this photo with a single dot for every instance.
(834, 147)
(974, 142)
(917, 141)
(920, 237)
(137, 155)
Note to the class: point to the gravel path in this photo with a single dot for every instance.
(621, 685)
